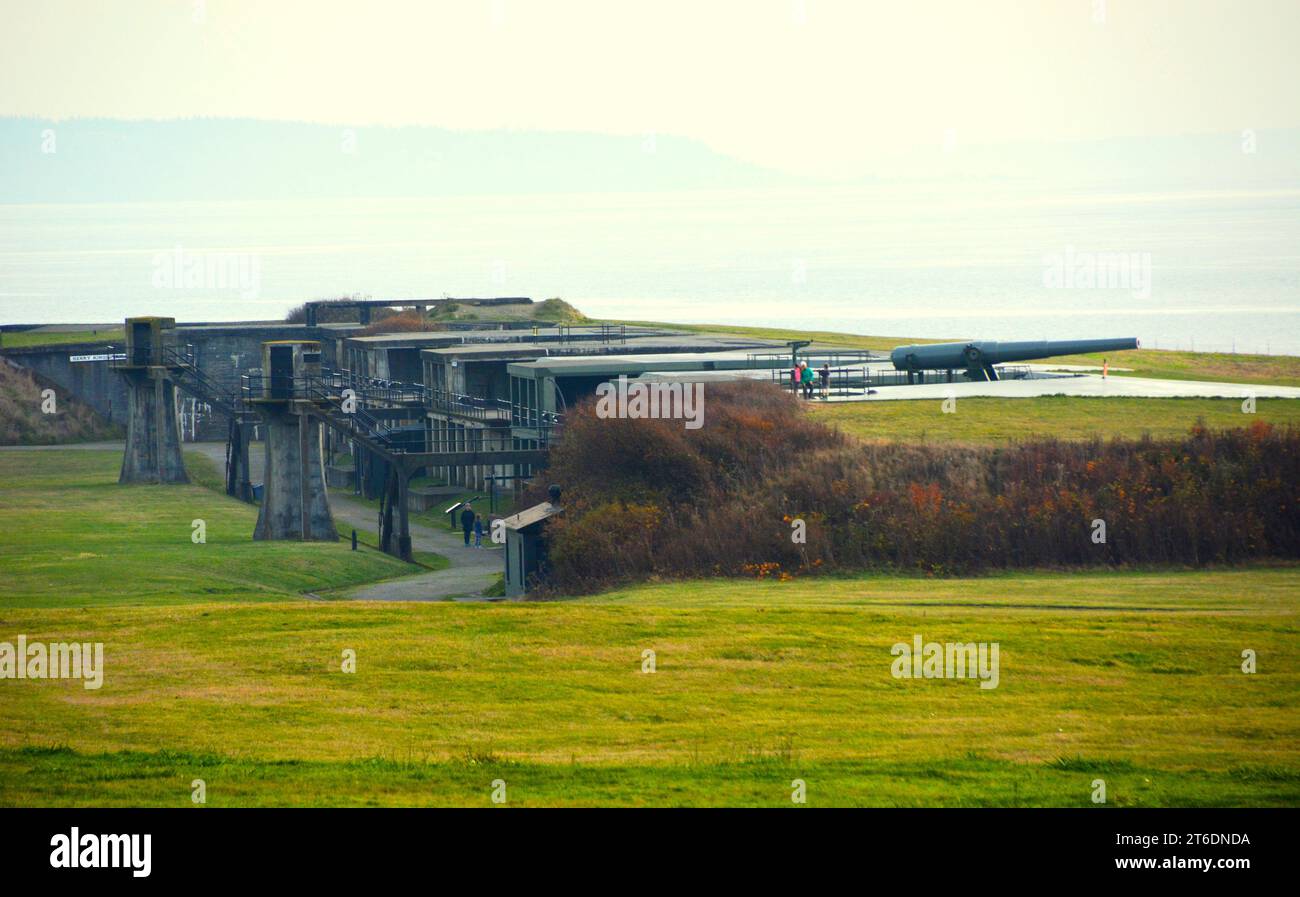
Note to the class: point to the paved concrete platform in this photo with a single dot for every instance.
(1079, 385)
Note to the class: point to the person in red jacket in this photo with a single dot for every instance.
(806, 376)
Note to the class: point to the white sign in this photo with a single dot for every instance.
(121, 356)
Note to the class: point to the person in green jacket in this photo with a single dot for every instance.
(806, 378)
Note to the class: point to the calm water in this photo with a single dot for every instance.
(1224, 268)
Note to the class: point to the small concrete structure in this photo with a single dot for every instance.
(294, 500)
(525, 549)
(153, 434)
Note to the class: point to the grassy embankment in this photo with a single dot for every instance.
(24, 421)
(1132, 677)
(546, 312)
(998, 421)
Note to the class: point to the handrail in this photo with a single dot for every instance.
(322, 392)
(225, 398)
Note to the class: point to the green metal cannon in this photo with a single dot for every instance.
(977, 358)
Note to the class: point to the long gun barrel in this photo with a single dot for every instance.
(980, 356)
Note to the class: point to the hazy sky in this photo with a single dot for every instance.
(804, 85)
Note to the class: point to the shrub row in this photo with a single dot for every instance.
(650, 499)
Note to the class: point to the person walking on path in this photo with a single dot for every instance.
(478, 530)
(467, 521)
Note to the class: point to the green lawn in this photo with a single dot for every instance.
(71, 536)
(1275, 370)
(996, 420)
(25, 338)
(1133, 677)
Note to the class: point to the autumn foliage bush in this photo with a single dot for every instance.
(648, 499)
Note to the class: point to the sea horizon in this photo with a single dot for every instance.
(1207, 270)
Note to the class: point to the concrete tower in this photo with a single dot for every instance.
(153, 434)
(294, 502)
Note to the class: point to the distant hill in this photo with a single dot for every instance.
(102, 160)
(106, 160)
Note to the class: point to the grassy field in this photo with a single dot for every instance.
(25, 338)
(1133, 677)
(995, 420)
(1137, 683)
(1275, 370)
(71, 536)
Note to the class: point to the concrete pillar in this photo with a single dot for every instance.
(237, 474)
(386, 501)
(403, 516)
(153, 433)
(294, 500)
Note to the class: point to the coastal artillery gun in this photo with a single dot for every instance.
(977, 358)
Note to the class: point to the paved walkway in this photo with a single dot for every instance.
(472, 569)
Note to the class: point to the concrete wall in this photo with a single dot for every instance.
(90, 381)
(224, 354)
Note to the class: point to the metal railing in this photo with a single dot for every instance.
(361, 422)
(530, 418)
(223, 396)
(490, 439)
(777, 359)
(472, 407)
(376, 389)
